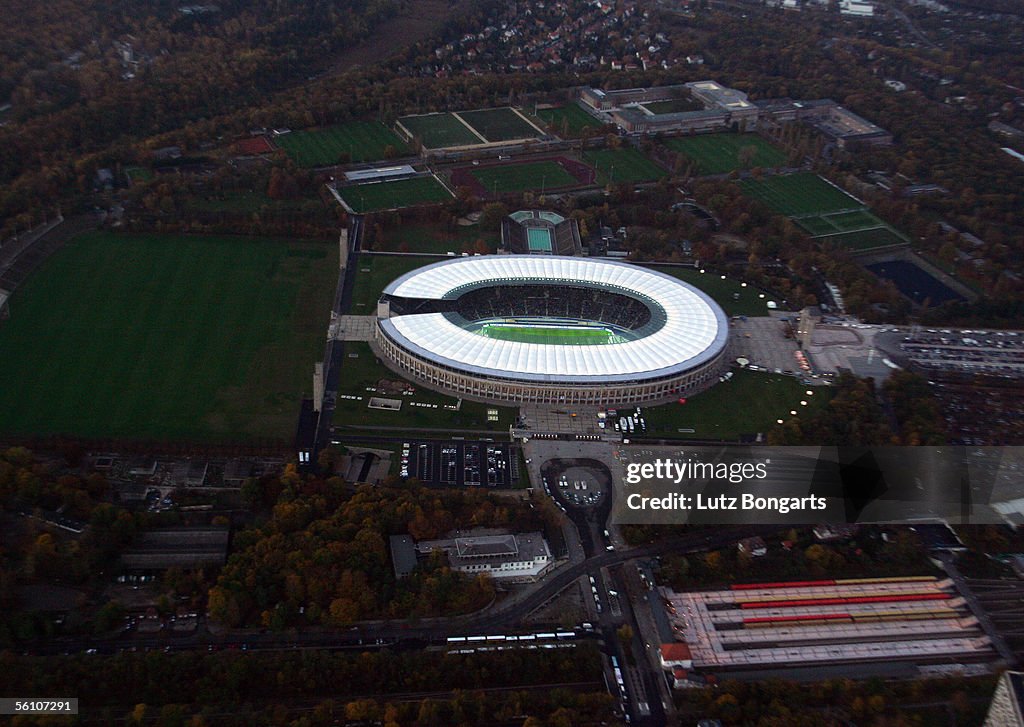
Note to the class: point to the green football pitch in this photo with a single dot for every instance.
(437, 131)
(356, 141)
(502, 124)
(166, 337)
(569, 120)
(396, 194)
(799, 194)
(522, 177)
(723, 153)
(623, 165)
(557, 336)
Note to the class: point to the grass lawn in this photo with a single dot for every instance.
(720, 153)
(623, 165)
(437, 131)
(569, 120)
(358, 141)
(374, 272)
(139, 174)
(673, 106)
(746, 303)
(522, 177)
(374, 196)
(799, 194)
(166, 337)
(434, 239)
(363, 371)
(748, 403)
(866, 239)
(499, 124)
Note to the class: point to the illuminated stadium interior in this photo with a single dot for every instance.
(551, 329)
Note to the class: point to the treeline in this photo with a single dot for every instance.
(194, 682)
(323, 556)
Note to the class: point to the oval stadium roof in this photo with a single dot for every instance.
(694, 332)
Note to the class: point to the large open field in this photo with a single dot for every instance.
(166, 337)
(569, 120)
(748, 403)
(521, 177)
(623, 165)
(361, 371)
(437, 131)
(355, 141)
(856, 230)
(722, 153)
(735, 298)
(799, 194)
(376, 271)
(502, 124)
(374, 196)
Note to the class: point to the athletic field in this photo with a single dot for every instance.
(722, 153)
(673, 106)
(374, 196)
(502, 124)
(799, 194)
(166, 337)
(355, 141)
(522, 177)
(437, 131)
(558, 336)
(569, 120)
(623, 165)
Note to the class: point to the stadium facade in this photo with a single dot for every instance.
(551, 329)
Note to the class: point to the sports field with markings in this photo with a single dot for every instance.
(723, 153)
(355, 141)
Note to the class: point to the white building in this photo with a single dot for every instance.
(523, 556)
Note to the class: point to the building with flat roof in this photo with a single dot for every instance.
(403, 555)
(909, 621)
(519, 556)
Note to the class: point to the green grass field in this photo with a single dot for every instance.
(502, 124)
(866, 239)
(673, 106)
(166, 337)
(748, 403)
(856, 230)
(735, 299)
(522, 177)
(720, 153)
(436, 131)
(374, 272)
(363, 371)
(374, 196)
(623, 165)
(568, 121)
(355, 141)
(549, 335)
(799, 194)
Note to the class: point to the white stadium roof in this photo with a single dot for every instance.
(695, 328)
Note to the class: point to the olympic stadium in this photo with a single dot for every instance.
(550, 329)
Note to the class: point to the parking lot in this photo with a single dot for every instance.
(458, 463)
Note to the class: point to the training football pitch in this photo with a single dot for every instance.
(502, 124)
(522, 177)
(799, 194)
(553, 335)
(374, 196)
(623, 165)
(723, 153)
(437, 131)
(355, 141)
(166, 337)
(569, 120)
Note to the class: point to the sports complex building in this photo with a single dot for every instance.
(551, 329)
(534, 232)
(904, 622)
